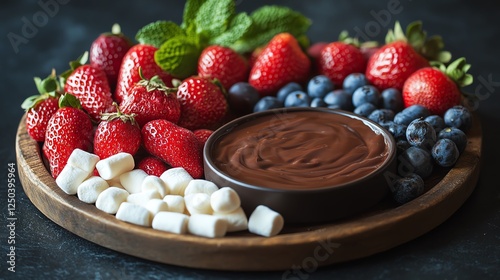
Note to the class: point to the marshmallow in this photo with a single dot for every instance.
(156, 205)
(236, 220)
(207, 225)
(89, 190)
(70, 177)
(110, 199)
(225, 200)
(143, 197)
(171, 222)
(115, 165)
(175, 203)
(176, 179)
(200, 186)
(152, 182)
(198, 203)
(264, 221)
(115, 182)
(83, 160)
(134, 214)
(132, 180)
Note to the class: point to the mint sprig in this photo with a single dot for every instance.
(156, 33)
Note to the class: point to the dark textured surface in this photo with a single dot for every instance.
(465, 246)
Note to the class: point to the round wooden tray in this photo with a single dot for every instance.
(381, 228)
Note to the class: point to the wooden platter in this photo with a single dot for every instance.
(379, 229)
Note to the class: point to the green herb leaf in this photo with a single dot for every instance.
(214, 16)
(190, 10)
(239, 25)
(178, 56)
(156, 33)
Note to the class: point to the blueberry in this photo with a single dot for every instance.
(392, 99)
(455, 135)
(415, 160)
(436, 121)
(354, 81)
(445, 152)
(381, 115)
(397, 130)
(410, 113)
(340, 98)
(421, 134)
(402, 145)
(267, 103)
(365, 109)
(408, 188)
(319, 86)
(459, 117)
(242, 97)
(297, 99)
(318, 102)
(286, 89)
(365, 94)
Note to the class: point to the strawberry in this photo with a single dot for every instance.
(393, 63)
(139, 56)
(202, 135)
(117, 132)
(280, 62)
(107, 52)
(203, 103)
(223, 64)
(69, 128)
(437, 89)
(152, 166)
(339, 59)
(150, 100)
(90, 85)
(175, 145)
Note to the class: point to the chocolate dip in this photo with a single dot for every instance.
(300, 150)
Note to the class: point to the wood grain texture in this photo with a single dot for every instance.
(378, 229)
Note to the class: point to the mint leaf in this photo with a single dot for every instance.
(214, 16)
(178, 56)
(239, 25)
(190, 10)
(156, 33)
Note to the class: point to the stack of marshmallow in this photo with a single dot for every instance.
(173, 202)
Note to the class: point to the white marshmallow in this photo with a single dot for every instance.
(200, 186)
(225, 200)
(175, 203)
(152, 182)
(171, 222)
(115, 182)
(83, 160)
(156, 205)
(70, 178)
(207, 225)
(110, 199)
(132, 180)
(176, 179)
(265, 221)
(198, 203)
(89, 190)
(142, 198)
(134, 214)
(115, 165)
(236, 220)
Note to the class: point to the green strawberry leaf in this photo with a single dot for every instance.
(178, 56)
(190, 10)
(156, 33)
(213, 17)
(30, 102)
(69, 100)
(238, 26)
(457, 71)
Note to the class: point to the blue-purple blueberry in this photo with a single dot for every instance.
(340, 98)
(392, 99)
(354, 81)
(381, 115)
(366, 94)
(297, 99)
(459, 117)
(365, 109)
(319, 86)
(287, 89)
(436, 121)
(420, 133)
(415, 160)
(318, 102)
(267, 103)
(455, 135)
(445, 152)
(407, 188)
(411, 113)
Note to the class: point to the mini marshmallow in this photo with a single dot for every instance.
(175, 203)
(200, 186)
(143, 197)
(70, 178)
(115, 165)
(110, 199)
(207, 225)
(83, 160)
(265, 221)
(134, 214)
(115, 182)
(225, 200)
(132, 180)
(176, 179)
(198, 203)
(236, 220)
(89, 190)
(152, 182)
(171, 222)
(156, 205)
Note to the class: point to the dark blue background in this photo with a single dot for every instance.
(465, 246)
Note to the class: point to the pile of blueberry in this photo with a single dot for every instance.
(423, 140)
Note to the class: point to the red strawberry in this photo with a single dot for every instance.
(152, 166)
(223, 64)
(437, 89)
(107, 52)
(202, 135)
(282, 61)
(117, 132)
(203, 103)
(176, 145)
(139, 56)
(339, 59)
(69, 128)
(150, 100)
